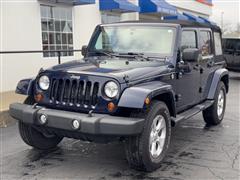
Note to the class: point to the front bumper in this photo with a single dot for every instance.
(97, 124)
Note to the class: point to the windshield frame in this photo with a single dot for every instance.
(98, 30)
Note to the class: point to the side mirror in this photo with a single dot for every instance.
(191, 55)
(84, 51)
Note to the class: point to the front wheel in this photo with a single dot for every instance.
(147, 150)
(34, 137)
(215, 113)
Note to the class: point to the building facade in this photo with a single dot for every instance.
(68, 24)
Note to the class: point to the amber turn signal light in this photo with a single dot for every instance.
(38, 97)
(147, 101)
(111, 106)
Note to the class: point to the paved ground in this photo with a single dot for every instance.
(196, 152)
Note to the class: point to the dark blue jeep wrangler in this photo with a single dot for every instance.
(135, 82)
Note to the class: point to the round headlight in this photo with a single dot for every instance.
(111, 89)
(44, 82)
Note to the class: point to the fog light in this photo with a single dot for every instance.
(43, 119)
(76, 124)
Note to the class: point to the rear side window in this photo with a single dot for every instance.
(206, 43)
(189, 39)
(218, 43)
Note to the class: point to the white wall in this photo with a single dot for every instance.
(192, 6)
(86, 17)
(20, 30)
(130, 16)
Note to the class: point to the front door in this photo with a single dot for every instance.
(188, 81)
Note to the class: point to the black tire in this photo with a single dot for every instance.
(33, 137)
(138, 147)
(210, 115)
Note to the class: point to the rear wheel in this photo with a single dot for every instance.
(147, 150)
(215, 113)
(34, 137)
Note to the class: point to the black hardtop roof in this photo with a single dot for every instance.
(182, 23)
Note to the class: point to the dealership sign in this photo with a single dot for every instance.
(207, 2)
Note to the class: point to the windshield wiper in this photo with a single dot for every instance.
(141, 56)
(156, 58)
(109, 54)
(136, 56)
(120, 55)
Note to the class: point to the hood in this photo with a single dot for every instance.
(120, 69)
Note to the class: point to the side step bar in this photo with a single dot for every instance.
(193, 111)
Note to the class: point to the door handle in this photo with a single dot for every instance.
(210, 63)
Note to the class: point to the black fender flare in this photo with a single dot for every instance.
(25, 86)
(134, 97)
(218, 75)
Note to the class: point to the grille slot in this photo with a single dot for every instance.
(74, 92)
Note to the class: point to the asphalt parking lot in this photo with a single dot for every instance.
(196, 152)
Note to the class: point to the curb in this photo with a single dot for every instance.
(5, 119)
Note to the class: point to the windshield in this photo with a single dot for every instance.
(135, 39)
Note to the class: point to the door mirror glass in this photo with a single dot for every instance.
(191, 55)
(84, 51)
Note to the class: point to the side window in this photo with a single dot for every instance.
(104, 41)
(218, 44)
(238, 49)
(238, 46)
(229, 46)
(206, 43)
(189, 39)
(99, 43)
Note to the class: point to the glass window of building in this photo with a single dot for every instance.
(57, 32)
(108, 17)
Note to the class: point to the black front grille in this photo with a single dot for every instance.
(74, 92)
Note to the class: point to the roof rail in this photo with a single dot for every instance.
(193, 18)
(207, 21)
